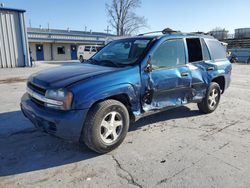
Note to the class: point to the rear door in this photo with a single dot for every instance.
(169, 83)
(198, 57)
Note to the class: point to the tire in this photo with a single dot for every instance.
(106, 126)
(206, 106)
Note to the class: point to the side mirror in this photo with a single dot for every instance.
(148, 67)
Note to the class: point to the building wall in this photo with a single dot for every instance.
(50, 51)
(13, 39)
(242, 33)
(61, 57)
(47, 51)
(32, 49)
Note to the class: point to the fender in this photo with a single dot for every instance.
(87, 100)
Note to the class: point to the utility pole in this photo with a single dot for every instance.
(30, 23)
(107, 30)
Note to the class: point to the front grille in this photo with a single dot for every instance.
(36, 88)
(37, 101)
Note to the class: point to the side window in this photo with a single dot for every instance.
(60, 50)
(194, 49)
(93, 49)
(169, 54)
(206, 55)
(87, 48)
(216, 49)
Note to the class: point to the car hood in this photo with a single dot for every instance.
(66, 75)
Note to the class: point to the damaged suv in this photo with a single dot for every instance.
(129, 78)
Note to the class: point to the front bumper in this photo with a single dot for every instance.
(64, 124)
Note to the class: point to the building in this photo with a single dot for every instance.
(13, 39)
(59, 45)
(219, 34)
(242, 33)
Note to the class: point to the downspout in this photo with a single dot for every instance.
(24, 39)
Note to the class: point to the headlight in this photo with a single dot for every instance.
(60, 99)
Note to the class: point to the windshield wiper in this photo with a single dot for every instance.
(92, 61)
(110, 62)
(101, 62)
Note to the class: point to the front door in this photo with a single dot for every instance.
(39, 52)
(169, 83)
(73, 52)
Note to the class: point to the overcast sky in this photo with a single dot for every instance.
(184, 15)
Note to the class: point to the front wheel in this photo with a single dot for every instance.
(211, 101)
(106, 126)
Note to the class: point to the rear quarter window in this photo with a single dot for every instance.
(217, 51)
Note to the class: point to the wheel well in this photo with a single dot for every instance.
(123, 98)
(221, 81)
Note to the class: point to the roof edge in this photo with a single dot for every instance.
(12, 9)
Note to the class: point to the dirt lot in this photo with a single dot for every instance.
(176, 148)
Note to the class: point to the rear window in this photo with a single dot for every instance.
(216, 49)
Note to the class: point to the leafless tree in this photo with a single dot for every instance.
(123, 18)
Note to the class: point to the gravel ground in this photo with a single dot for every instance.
(176, 148)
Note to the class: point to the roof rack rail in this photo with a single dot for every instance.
(171, 31)
(149, 33)
(200, 33)
(164, 31)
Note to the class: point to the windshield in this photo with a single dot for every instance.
(121, 52)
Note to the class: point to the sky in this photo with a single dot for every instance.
(183, 15)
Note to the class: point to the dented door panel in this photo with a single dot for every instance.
(167, 88)
(200, 79)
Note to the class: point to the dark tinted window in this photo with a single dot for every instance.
(93, 49)
(170, 54)
(87, 48)
(216, 49)
(206, 55)
(194, 49)
(61, 50)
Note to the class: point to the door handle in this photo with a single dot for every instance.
(184, 74)
(210, 68)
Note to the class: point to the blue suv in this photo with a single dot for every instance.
(129, 78)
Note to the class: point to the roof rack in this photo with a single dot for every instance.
(164, 31)
(200, 33)
(171, 31)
